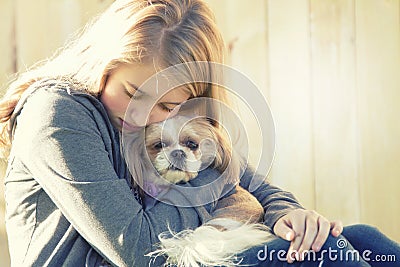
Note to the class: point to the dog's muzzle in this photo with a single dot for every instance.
(177, 160)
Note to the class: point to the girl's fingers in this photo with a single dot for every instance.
(337, 228)
(311, 232)
(298, 222)
(306, 230)
(283, 230)
(323, 233)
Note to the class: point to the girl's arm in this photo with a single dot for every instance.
(275, 201)
(65, 145)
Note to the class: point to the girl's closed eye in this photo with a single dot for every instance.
(134, 95)
(166, 108)
(127, 92)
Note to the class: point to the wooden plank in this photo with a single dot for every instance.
(246, 38)
(378, 80)
(42, 26)
(247, 47)
(334, 109)
(290, 97)
(91, 8)
(6, 42)
(245, 34)
(41, 33)
(6, 70)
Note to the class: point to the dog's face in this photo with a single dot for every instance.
(180, 147)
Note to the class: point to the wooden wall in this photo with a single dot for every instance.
(330, 72)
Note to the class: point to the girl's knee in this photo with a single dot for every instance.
(338, 251)
(339, 242)
(360, 229)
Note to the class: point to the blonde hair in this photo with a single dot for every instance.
(166, 31)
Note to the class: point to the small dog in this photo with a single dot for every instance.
(178, 149)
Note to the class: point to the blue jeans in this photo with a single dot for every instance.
(359, 245)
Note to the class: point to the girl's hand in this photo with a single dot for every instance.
(306, 229)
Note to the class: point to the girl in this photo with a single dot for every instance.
(69, 201)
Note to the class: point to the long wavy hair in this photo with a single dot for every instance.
(169, 32)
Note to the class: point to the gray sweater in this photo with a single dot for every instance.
(68, 198)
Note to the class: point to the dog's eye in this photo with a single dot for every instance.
(159, 145)
(191, 145)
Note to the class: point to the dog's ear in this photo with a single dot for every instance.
(135, 155)
(227, 160)
(211, 121)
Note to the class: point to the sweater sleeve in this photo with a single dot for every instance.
(59, 142)
(275, 201)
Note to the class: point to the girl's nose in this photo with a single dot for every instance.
(136, 117)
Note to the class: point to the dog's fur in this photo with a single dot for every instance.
(179, 148)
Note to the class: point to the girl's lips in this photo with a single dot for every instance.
(129, 127)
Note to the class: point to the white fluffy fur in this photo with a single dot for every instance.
(208, 246)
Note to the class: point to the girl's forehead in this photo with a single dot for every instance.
(149, 80)
(134, 74)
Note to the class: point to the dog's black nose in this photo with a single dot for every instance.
(178, 154)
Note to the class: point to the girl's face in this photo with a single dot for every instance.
(123, 83)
